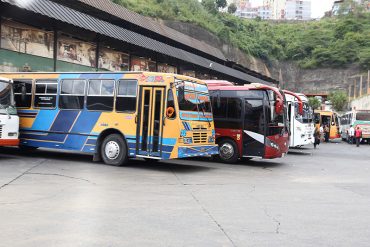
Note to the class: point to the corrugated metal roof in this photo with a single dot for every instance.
(151, 25)
(85, 21)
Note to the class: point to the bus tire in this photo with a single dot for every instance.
(23, 148)
(114, 150)
(228, 151)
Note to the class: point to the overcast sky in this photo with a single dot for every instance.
(318, 7)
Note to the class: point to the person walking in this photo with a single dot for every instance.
(358, 135)
(321, 133)
(316, 136)
(326, 132)
(351, 134)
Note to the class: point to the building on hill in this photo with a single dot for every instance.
(290, 9)
(297, 10)
(245, 10)
(90, 35)
(342, 7)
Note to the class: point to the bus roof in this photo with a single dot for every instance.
(104, 72)
(6, 79)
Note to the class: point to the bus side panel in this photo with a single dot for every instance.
(122, 122)
(69, 130)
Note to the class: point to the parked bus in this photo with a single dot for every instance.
(356, 118)
(250, 121)
(116, 116)
(329, 118)
(9, 121)
(300, 119)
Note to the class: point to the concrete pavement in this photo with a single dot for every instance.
(309, 198)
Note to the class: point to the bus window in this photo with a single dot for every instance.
(170, 110)
(363, 116)
(234, 108)
(72, 94)
(254, 117)
(219, 107)
(100, 95)
(46, 93)
(23, 93)
(126, 96)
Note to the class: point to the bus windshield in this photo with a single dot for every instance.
(307, 113)
(194, 101)
(363, 116)
(6, 98)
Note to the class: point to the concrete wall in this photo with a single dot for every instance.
(362, 103)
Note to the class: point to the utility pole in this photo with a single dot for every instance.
(368, 82)
(360, 85)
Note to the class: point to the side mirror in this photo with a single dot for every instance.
(300, 108)
(279, 106)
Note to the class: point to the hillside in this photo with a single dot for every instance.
(330, 42)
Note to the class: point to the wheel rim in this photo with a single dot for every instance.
(112, 150)
(226, 151)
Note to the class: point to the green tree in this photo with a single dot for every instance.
(314, 102)
(210, 6)
(221, 3)
(232, 8)
(339, 100)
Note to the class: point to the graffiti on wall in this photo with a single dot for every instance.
(113, 60)
(142, 64)
(25, 39)
(76, 51)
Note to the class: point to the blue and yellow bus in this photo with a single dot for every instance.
(115, 116)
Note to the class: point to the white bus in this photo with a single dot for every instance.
(9, 121)
(356, 118)
(300, 116)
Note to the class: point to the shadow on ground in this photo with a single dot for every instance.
(185, 166)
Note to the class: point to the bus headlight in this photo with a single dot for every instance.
(274, 145)
(188, 140)
(183, 133)
(211, 139)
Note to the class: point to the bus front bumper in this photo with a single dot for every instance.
(9, 142)
(197, 151)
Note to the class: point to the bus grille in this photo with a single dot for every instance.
(1, 131)
(200, 128)
(199, 137)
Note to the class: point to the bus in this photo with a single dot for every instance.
(356, 118)
(9, 121)
(300, 117)
(250, 121)
(115, 116)
(329, 118)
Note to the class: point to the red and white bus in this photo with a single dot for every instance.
(250, 121)
(9, 120)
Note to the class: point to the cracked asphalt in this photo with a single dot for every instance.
(309, 198)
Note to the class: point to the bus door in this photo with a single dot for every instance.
(150, 121)
(254, 128)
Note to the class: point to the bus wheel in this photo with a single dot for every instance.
(114, 150)
(228, 151)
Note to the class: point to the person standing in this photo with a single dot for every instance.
(326, 131)
(358, 135)
(351, 134)
(316, 136)
(321, 133)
